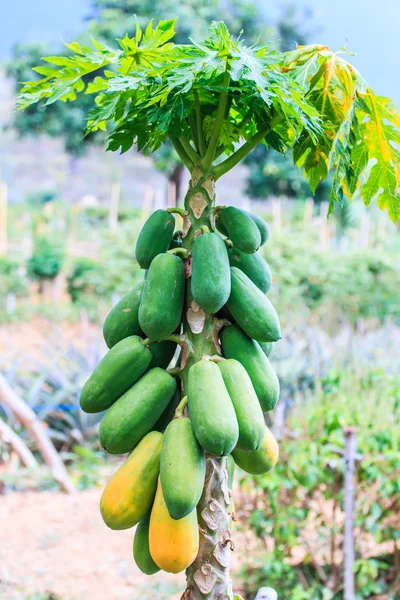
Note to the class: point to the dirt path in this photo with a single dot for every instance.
(50, 542)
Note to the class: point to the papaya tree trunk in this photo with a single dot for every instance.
(208, 578)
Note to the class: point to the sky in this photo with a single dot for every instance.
(370, 27)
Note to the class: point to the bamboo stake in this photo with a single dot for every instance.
(25, 415)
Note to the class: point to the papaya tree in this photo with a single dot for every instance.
(205, 285)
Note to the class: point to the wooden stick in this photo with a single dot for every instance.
(171, 194)
(114, 206)
(277, 214)
(349, 457)
(147, 202)
(3, 218)
(9, 436)
(25, 415)
(308, 210)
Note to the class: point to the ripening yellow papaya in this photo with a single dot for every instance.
(173, 543)
(261, 460)
(130, 492)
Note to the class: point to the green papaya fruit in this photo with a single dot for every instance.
(236, 344)
(248, 411)
(116, 372)
(155, 237)
(261, 460)
(123, 320)
(169, 412)
(161, 305)
(211, 278)
(254, 266)
(163, 353)
(176, 241)
(141, 549)
(266, 347)
(136, 411)
(183, 468)
(220, 225)
(241, 229)
(262, 226)
(252, 310)
(211, 410)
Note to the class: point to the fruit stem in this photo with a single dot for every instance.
(228, 243)
(182, 252)
(177, 339)
(180, 408)
(215, 358)
(174, 371)
(179, 211)
(204, 229)
(146, 342)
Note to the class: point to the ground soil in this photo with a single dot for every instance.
(58, 546)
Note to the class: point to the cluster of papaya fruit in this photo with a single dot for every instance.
(170, 422)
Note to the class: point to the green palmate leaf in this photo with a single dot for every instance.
(361, 131)
(220, 97)
(379, 131)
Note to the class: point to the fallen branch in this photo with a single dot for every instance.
(25, 415)
(9, 436)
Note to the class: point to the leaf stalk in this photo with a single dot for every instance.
(244, 150)
(219, 117)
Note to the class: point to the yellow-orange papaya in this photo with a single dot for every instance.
(261, 460)
(173, 543)
(130, 492)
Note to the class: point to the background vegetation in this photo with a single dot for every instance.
(336, 287)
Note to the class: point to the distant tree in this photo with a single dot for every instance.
(113, 18)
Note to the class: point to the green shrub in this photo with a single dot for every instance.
(297, 509)
(336, 285)
(78, 280)
(12, 280)
(97, 216)
(47, 258)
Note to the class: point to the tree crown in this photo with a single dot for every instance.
(211, 96)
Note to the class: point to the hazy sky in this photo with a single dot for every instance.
(371, 28)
